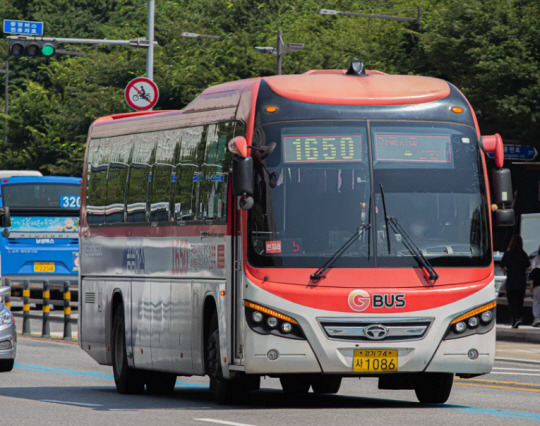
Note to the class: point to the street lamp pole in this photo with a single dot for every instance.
(6, 99)
(280, 50)
(150, 38)
(377, 16)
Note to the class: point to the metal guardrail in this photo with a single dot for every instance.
(45, 302)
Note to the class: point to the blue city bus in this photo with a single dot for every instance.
(42, 241)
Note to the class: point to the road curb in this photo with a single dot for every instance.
(524, 334)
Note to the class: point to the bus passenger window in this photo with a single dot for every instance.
(98, 166)
(140, 176)
(188, 174)
(215, 172)
(162, 175)
(116, 183)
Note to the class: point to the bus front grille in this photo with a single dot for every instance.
(375, 329)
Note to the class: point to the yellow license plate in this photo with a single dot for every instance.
(375, 360)
(43, 266)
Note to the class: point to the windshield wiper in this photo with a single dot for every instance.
(392, 223)
(316, 276)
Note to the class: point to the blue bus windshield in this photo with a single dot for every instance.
(38, 196)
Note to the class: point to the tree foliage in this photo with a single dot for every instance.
(489, 50)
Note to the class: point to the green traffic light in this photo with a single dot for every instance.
(47, 50)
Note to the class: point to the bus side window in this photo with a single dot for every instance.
(116, 182)
(188, 175)
(217, 161)
(120, 151)
(98, 166)
(162, 176)
(140, 179)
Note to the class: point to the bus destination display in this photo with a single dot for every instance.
(413, 148)
(327, 148)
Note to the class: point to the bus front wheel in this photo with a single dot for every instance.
(433, 388)
(6, 365)
(295, 383)
(127, 380)
(326, 384)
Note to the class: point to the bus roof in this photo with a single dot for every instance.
(42, 179)
(9, 173)
(334, 87)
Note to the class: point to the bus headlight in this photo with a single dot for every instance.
(263, 320)
(473, 322)
(479, 320)
(272, 322)
(6, 318)
(257, 316)
(486, 316)
(460, 327)
(286, 327)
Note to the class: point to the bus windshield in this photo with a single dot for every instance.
(39, 196)
(324, 180)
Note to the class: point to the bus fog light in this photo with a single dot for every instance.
(272, 322)
(460, 327)
(272, 355)
(472, 354)
(473, 322)
(486, 316)
(286, 327)
(257, 316)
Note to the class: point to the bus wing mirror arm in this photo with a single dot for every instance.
(493, 144)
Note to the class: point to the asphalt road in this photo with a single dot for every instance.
(56, 383)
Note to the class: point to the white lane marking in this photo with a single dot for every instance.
(516, 369)
(82, 404)
(502, 373)
(222, 422)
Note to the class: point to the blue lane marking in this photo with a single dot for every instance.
(54, 370)
(491, 412)
(44, 369)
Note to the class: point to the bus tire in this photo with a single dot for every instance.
(433, 388)
(159, 383)
(6, 365)
(295, 383)
(220, 387)
(128, 380)
(326, 384)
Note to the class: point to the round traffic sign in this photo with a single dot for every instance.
(141, 94)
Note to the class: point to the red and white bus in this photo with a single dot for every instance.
(306, 227)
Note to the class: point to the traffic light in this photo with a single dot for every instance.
(33, 48)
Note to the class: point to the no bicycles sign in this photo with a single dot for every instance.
(141, 94)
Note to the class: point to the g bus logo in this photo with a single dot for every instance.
(359, 300)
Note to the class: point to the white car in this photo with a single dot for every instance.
(8, 334)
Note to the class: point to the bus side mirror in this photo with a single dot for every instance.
(5, 217)
(242, 181)
(501, 184)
